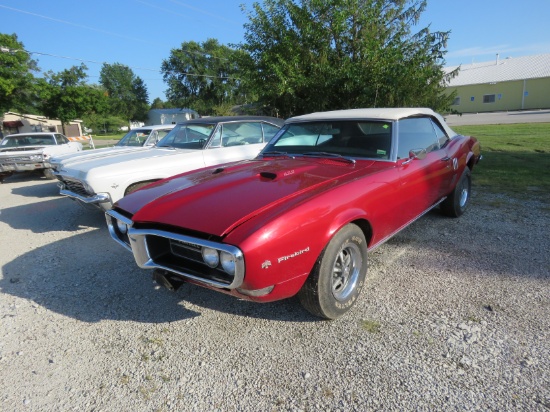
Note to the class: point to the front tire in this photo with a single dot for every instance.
(335, 282)
(456, 203)
(48, 174)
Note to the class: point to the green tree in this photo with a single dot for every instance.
(157, 103)
(16, 78)
(202, 76)
(127, 93)
(66, 96)
(311, 55)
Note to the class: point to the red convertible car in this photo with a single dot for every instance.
(302, 216)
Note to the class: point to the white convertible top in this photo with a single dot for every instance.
(378, 114)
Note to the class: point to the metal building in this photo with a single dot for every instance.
(519, 83)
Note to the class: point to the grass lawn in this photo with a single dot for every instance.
(116, 136)
(516, 157)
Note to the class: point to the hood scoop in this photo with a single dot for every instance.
(268, 175)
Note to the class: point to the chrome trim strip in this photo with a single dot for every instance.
(143, 259)
(98, 198)
(109, 216)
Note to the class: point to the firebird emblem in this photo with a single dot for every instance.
(266, 264)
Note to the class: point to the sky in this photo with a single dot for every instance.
(141, 33)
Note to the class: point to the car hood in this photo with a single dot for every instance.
(88, 155)
(216, 200)
(118, 162)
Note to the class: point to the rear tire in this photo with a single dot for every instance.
(456, 203)
(335, 282)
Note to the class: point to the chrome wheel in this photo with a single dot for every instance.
(457, 201)
(464, 193)
(345, 271)
(337, 278)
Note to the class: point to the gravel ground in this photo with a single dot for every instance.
(455, 316)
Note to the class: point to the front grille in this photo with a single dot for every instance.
(74, 186)
(19, 159)
(185, 258)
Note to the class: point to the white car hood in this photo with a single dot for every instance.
(126, 162)
(19, 151)
(73, 159)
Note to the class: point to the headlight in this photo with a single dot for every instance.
(228, 262)
(122, 227)
(210, 257)
(87, 187)
(36, 158)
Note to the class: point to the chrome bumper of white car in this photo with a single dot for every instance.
(102, 200)
(23, 167)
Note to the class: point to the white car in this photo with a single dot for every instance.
(136, 139)
(27, 152)
(191, 145)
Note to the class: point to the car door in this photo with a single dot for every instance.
(422, 179)
(234, 141)
(67, 146)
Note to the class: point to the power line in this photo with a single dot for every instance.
(8, 50)
(120, 35)
(70, 23)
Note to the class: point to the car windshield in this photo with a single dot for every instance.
(348, 138)
(135, 137)
(28, 140)
(188, 136)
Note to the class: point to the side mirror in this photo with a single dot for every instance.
(418, 154)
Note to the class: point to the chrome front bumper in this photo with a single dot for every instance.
(23, 167)
(102, 200)
(138, 241)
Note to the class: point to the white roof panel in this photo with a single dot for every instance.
(502, 70)
(378, 114)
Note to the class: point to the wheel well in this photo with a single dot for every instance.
(138, 185)
(365, 227)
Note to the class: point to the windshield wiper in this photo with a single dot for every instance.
(275, 153)
(331, 155)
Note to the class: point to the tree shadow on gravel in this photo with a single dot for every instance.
(40, 190)
(36, 176)
(90, 278)
(59, 214)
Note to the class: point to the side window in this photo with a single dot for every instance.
(162, 133)
(269, 131)
(442, 137)
(216, 137)
(61, 139)
(416, 133)
(236, 134)
(152, 138)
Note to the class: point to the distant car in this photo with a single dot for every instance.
(191, 145)
(301, 217)
(136, 139)
(27, 152)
